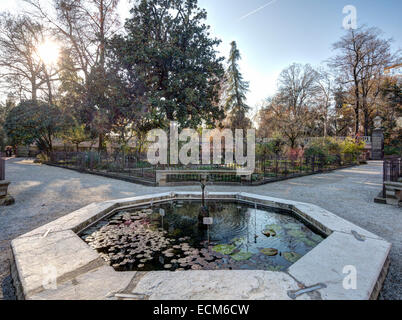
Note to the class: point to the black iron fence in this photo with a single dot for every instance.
(392, 169)
(123, 166)
(129, 167)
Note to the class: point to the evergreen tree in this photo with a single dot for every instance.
(168, 48)
(235, 93)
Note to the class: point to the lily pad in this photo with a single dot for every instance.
(269, 233)
(291, 256)
(240, 256)
(224, 248)
(269, 252)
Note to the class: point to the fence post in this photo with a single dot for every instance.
(313, 164)
(2, 169)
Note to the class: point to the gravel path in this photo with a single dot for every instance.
(44, 193)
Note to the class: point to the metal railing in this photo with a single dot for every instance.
(128, 167)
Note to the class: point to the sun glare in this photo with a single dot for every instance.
(48, 52)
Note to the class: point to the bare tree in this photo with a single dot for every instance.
(324, 98)
(85, 26)
(20, 65)
(363, 56)
(297, 89)
(377, 58)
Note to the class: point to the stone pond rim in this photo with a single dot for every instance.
(55, 248)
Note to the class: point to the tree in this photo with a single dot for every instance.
(168, 48)
(34, 122)
(390, 109)
(324, 99)
(235, 93)
(377, 57)
(362, 58)
(20, 63)
(4, 110)
(75, 134)
(85, 26)
(293, 103)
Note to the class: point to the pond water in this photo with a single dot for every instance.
(169, 237)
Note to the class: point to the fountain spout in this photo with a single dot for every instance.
(204, 211)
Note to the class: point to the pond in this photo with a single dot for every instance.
(168, 236)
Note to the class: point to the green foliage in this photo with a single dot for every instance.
(393, 150)
(352, 147)
(330, 149)
(34, 122)
(235, 92)
(168, 52)
(274, 147)
(75, 134)
(316, 151)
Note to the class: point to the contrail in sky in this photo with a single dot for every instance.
(256, 10)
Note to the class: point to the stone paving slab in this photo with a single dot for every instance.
(326, 263)
(327, 220)
(76, 220)
(216, 285)
(98, 284)
(62, 255)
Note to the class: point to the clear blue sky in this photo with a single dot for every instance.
(283, 32)
(288, 31)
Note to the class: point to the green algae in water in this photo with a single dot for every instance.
(224, 248)
(291, 256)
(316, 238)
(308, 242)
(275, 268)
(241, 256)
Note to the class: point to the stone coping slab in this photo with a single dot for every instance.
(55, 251)
(336, 257)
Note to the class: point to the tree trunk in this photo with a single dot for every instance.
(357, 108)
(34, 89)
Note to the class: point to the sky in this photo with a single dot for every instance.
(273, 34)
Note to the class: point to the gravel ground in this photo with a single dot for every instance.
(44, 193)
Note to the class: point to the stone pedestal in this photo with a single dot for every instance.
(5, 199)
(377, 145)
(4, 187)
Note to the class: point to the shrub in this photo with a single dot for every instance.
(42, 158)
(352, 147)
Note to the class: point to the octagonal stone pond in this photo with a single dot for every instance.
(154, 247)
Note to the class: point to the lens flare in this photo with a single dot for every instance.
(48, 52)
